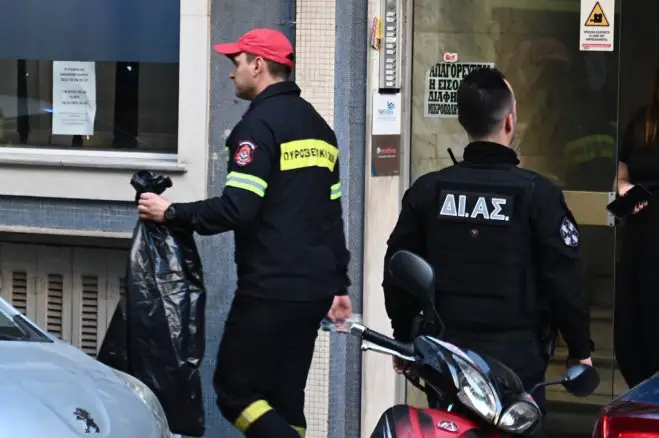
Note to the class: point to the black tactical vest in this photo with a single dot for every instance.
(478, 240)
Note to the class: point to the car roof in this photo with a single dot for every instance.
(646, 392)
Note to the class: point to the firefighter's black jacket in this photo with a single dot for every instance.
(553, 248)
(282, 199)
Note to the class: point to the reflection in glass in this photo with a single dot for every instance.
(567, 99)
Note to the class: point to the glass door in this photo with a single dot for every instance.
(570, 109)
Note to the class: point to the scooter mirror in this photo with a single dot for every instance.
(415, 275)
(581, 380)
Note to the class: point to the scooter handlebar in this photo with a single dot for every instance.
(404, 348)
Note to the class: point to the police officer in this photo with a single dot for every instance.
(504, 244)
(282, 200)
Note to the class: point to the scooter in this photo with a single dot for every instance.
(478, 396)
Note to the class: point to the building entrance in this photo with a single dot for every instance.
(573, 108)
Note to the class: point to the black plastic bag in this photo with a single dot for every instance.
(157, 331)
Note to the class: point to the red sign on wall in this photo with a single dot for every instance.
(385, 155)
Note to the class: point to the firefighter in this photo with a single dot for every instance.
(503, 243)
(282, 200)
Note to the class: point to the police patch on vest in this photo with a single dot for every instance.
(569, 233)
(490, 208)
(244, 153)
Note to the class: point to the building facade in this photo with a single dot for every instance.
(382, 73)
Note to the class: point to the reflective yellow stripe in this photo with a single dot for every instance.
(228, 151)
(308, 153)
(251, 414)
(300, 430)
(248, 182)
(336, 192)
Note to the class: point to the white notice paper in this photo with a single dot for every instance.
(386, 114)
(442, 82)
(74, 97)
(597, 22)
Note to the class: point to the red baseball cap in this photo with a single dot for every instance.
(269, 44)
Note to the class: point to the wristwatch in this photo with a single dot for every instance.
(170, 213)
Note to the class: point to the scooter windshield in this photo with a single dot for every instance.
(507, 381)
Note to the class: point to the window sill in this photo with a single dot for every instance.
(20, 230)
(92, 160)
(98, 175)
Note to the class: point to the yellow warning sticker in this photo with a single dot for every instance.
(597, 17)
(597, 25)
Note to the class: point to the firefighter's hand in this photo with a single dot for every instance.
(341, 308)
(151, 207)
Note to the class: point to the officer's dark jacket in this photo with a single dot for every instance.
(281, 199)
(504, 246)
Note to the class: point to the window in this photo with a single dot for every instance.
(99, 75)
(137, 55)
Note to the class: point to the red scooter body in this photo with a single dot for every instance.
(403, 421)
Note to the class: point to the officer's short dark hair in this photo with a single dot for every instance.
(484, 100)
(277, 70)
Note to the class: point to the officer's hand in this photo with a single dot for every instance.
(588, 361)
(400, 365)
(151, 207)
(341, 309)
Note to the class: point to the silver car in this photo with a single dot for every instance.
(49, 388)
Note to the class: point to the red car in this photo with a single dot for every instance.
(634, 414)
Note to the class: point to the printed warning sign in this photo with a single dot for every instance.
(442, 82)
(597, 17)
(597, 24)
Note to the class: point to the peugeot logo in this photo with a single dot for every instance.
(448, 426)
(88, 421)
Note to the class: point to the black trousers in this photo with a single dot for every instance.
(263, 364)
(519, 352)
(635, 330)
